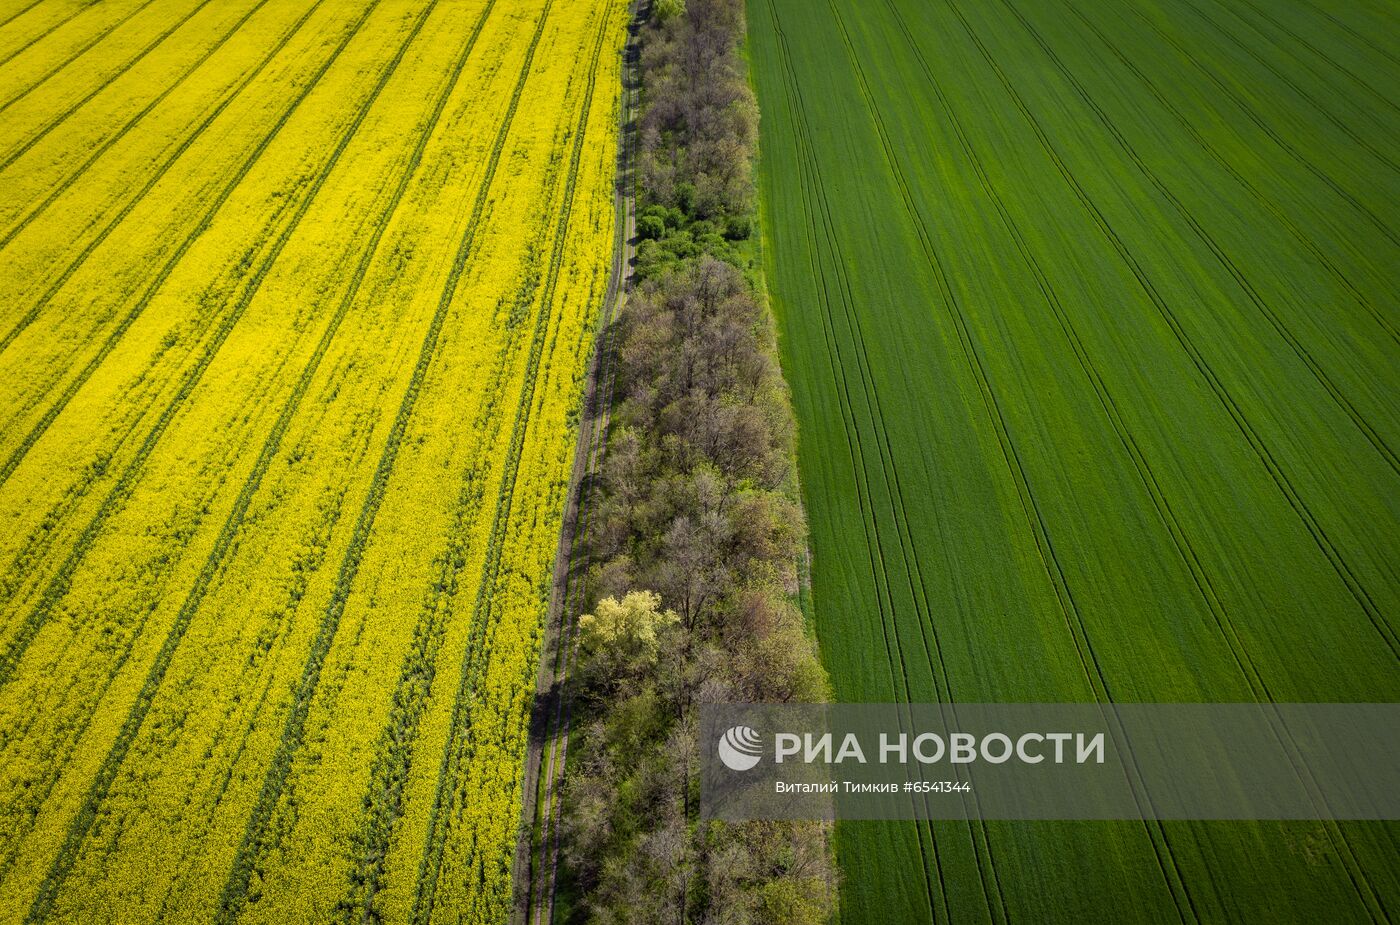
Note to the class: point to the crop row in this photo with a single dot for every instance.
(293, 734)
(196, 693)
(63, 269)
(59, 584)
(40, 67)
(121, 621)
(81, 826)
(95, 148)
(1100, 440)
(238, 606)
(154, 370)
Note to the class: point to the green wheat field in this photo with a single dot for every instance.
(1090, 313)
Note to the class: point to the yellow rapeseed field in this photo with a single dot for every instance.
(296, 304)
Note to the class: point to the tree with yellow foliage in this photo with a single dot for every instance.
(621, 639)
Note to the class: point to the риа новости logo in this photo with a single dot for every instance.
(740, 748)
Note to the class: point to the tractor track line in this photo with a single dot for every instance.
(262, 682)
(1259, 122)
(541, 899)
(106, 145)
(576, 588)
(18, 13)
(12, 462)
(271, 446)
(395, 750)
(1384, 322)
(81, 9)
(483, 610)
(1200, 574)
(33, 313)
(1101, 388)
(1008, 447)
(918, 591)
(1326, 113)
(893, 163)
(398, 739)
(1256, 443)
(914, 572)
(106, 775)
(35, 544)
(1359, 36)
(1089, 659)
(982, 848)
(1203, 367)
(917, 587)
(1300, 40)
(854, 444)
(444, 799)
(1377, 442)
(1155, 297)
(234, 892)
(58, 585)
(102, 34)
(1166, 514)
(382, 804)
(1068, 178)
(83, 691)
(58, 119)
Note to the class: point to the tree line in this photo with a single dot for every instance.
(697, 535)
